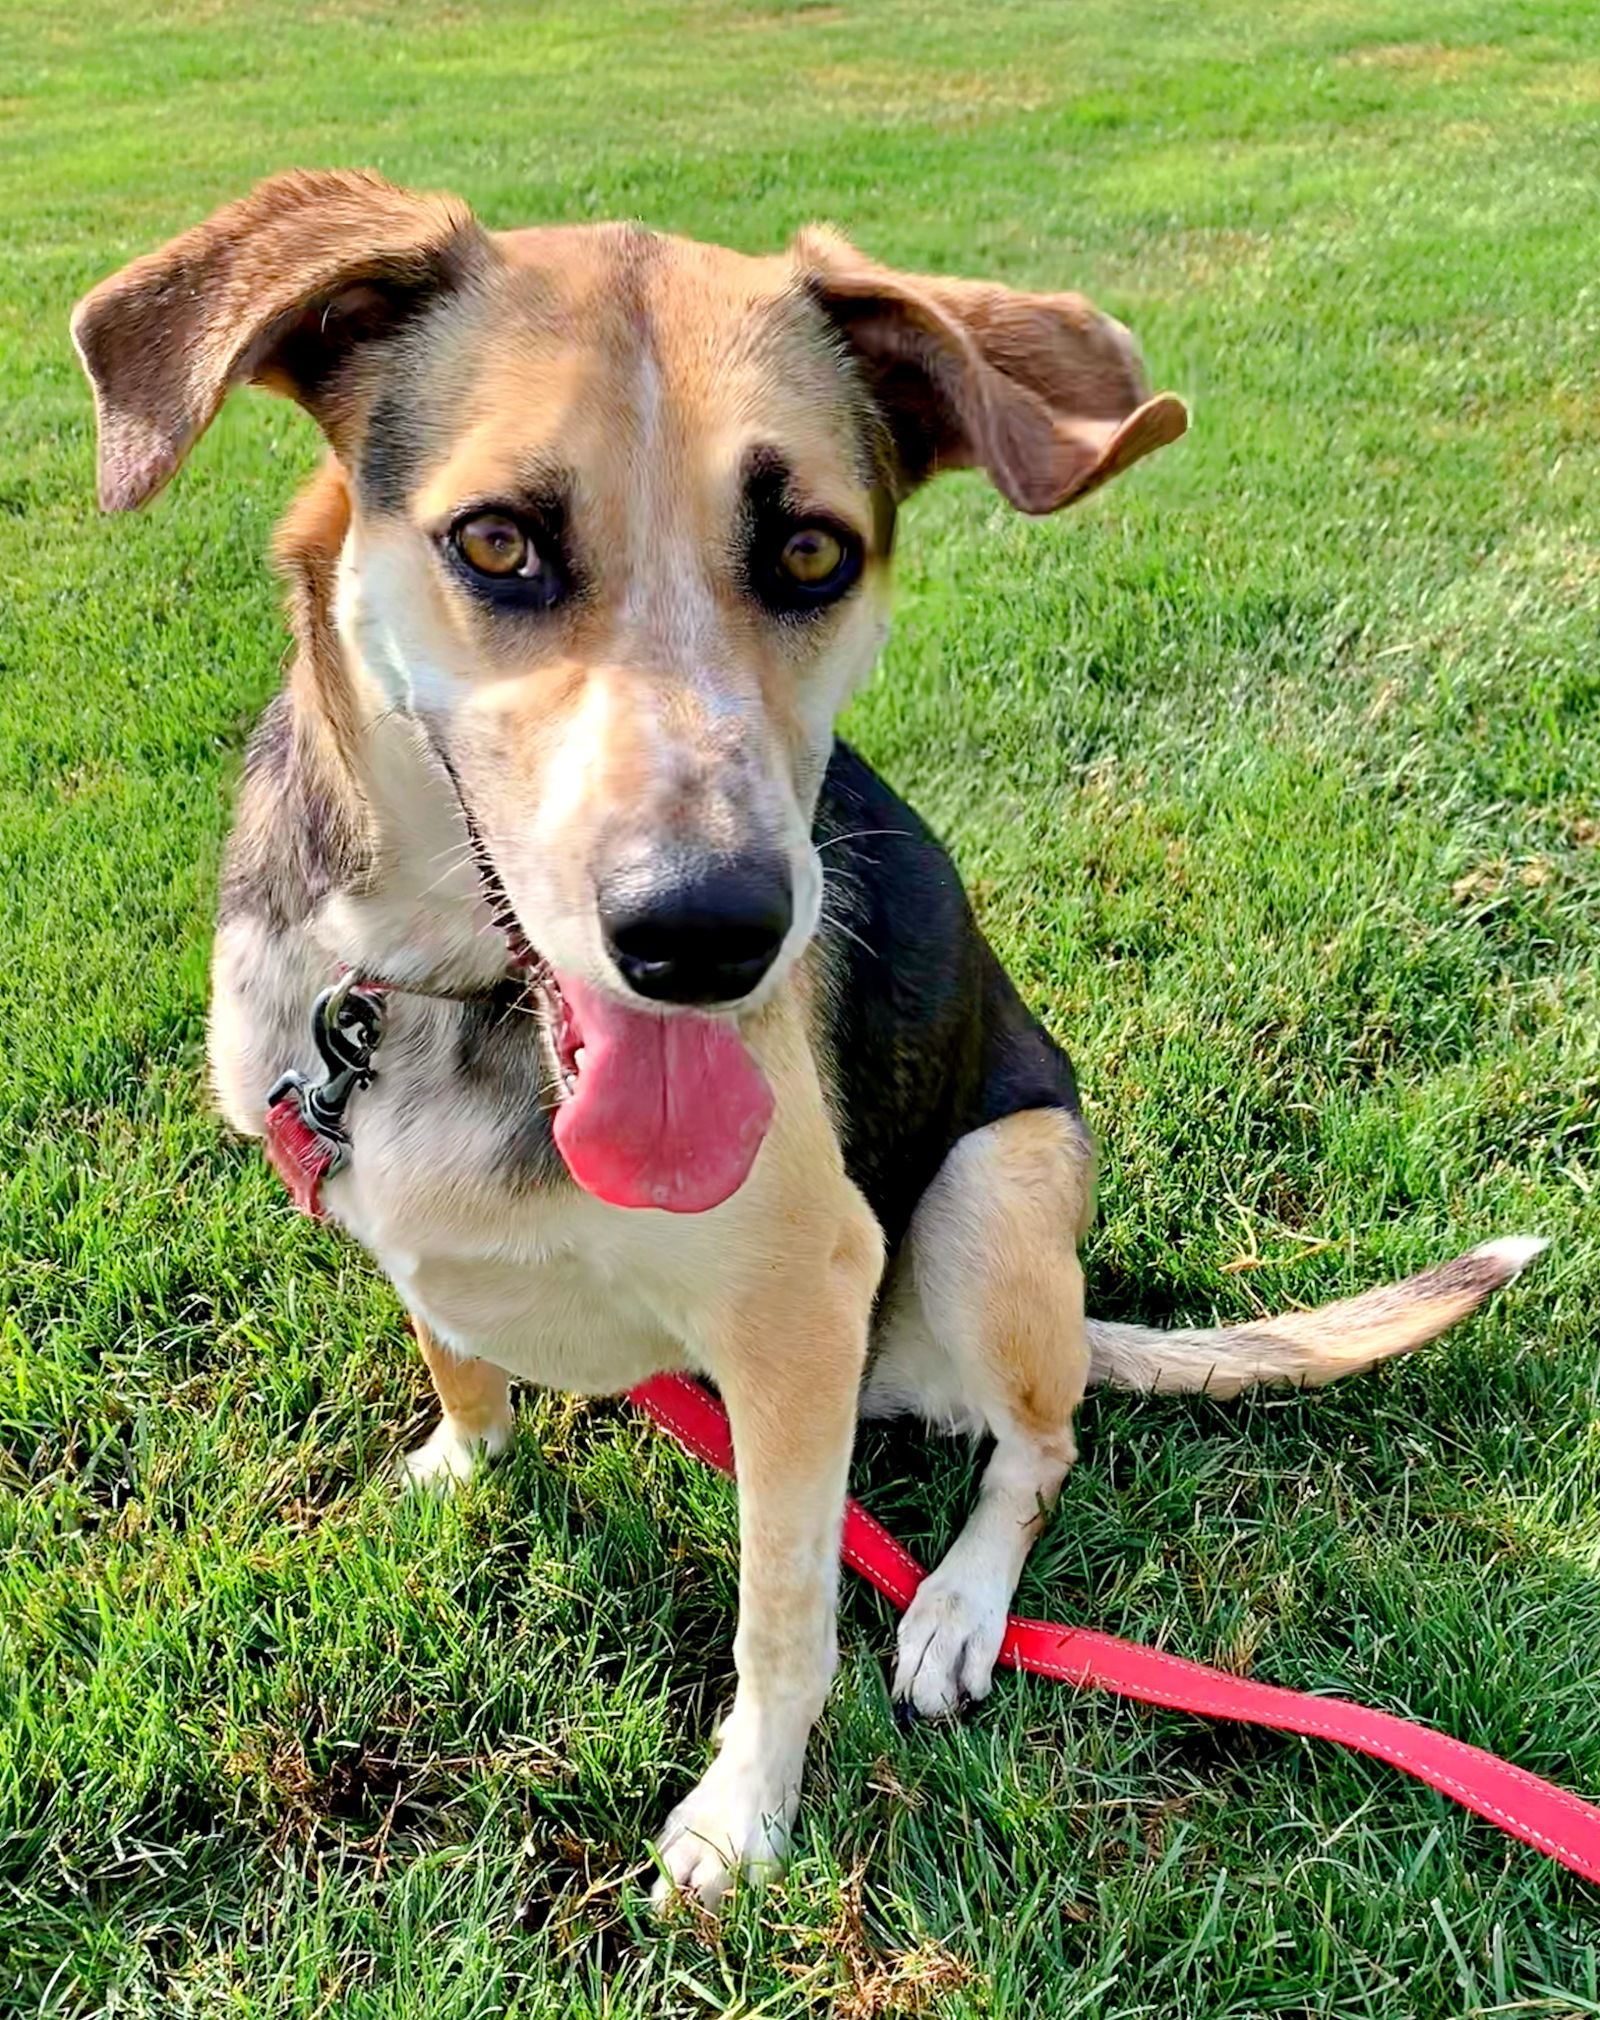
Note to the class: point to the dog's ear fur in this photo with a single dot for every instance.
(280, 288)
(1042, 391)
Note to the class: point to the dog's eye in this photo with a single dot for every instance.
(811, 556)
(806, 568)
(494, 544)
(512, 564)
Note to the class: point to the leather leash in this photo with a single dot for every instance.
(1556, 1822)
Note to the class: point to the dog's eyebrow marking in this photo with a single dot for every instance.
(535, 488)
(540, 479)
(536, 485)
(770, 491)
(765, 463)
(768, 480)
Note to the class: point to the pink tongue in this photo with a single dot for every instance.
(667, 1112)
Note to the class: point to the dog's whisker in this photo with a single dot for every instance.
(850, 933)
(836, 878)
(858, 835)
(831, 917)
(443, 878)
(458, 852)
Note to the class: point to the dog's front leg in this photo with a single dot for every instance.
(790, 1377)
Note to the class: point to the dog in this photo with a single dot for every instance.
(653, 1030)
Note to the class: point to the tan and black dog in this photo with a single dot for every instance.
(692, 1054)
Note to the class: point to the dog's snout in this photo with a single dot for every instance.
(702, 931)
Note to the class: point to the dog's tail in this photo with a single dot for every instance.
(1306, 1349)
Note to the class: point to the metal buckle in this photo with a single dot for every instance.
(346, 1024)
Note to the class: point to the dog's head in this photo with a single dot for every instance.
(621, 516)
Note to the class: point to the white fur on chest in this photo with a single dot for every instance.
(548, 1283)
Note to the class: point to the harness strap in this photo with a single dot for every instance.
(1560, 1824)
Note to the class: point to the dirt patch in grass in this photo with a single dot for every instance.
(874, 1979)
(902, 92)
(1435, 60)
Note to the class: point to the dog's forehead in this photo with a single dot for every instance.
(588, 342)
(710, 322)
(640, 272)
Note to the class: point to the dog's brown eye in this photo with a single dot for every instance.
(812, 556)
(494, 544)
(798, 567)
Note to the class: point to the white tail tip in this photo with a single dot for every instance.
(1515, 1252)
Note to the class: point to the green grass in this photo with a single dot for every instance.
(1274, 772)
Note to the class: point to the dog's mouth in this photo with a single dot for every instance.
(652, 1109)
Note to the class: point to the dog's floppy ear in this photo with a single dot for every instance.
(279, 288)
(1042, 391)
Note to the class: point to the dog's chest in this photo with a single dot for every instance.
(455, 1187)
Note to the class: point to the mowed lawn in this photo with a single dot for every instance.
(1275, 770)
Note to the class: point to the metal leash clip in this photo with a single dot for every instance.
(346, 1024)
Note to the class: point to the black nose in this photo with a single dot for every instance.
(697, 932)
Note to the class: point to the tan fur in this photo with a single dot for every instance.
(1021, 1274)
(654, 411)
(164, 339)
(787, 1349)
(309, 541)
(1041, 390)
(472, 1393)
(984, 1325)
(475, 1413)
(324, 726)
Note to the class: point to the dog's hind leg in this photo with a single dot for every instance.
(985, 1330)
(476, 1420)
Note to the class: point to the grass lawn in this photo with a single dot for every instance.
(1274, 770)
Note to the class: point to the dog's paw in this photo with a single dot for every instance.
(734, 1825)
(950, 1635)
(448, 1457)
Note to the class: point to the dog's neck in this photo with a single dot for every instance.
(421, 918)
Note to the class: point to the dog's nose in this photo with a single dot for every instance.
(697, 933)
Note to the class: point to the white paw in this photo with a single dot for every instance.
(733, 1825)
(448, 1457)
(949, 1638)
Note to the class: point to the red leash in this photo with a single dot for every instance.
(304, 1142)
(1520, 1803)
